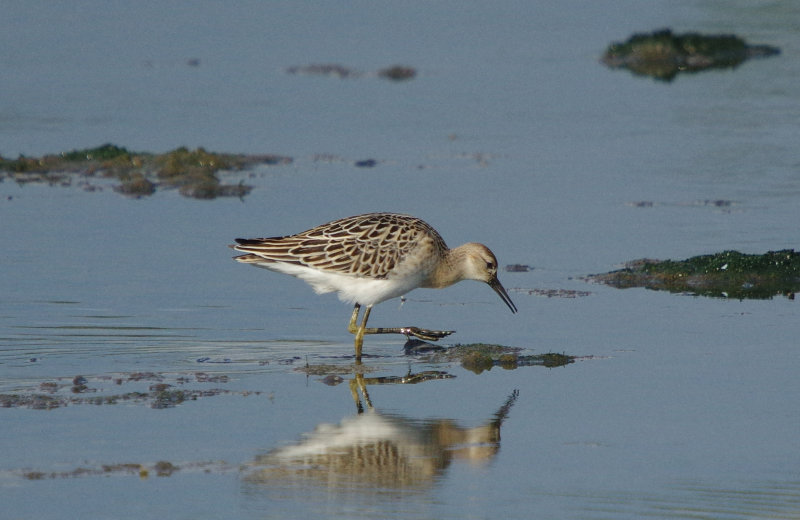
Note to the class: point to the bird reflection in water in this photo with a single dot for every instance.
(374, 450)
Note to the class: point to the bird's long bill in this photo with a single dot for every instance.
(498, 288)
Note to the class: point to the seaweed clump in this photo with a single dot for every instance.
(195, 173)
(729, 274)
(662, 54)
(136, 185)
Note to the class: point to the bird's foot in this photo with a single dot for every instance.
(428, 335)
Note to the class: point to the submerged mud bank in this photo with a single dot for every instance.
(336, 70)
(163, 391)
(156, 390)
(663, 54)
(729, 274)
(143, 470)
(478, 357)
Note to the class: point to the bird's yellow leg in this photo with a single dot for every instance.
(428, 335)
(361, 330)
(351, 327)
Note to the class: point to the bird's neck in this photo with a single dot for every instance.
(450, 270)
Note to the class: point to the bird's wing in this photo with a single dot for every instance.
(365, 245)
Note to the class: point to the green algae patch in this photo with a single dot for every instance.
(194, 173)
(478, 357)
(106, 152)
(107, 159)
(729, 274)
(663, 54)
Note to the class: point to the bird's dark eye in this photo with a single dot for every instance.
(489, 265)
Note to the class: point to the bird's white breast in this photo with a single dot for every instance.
(351, 289)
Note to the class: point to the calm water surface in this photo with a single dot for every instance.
(512, 135)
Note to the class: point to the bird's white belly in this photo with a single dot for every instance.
(350, 289)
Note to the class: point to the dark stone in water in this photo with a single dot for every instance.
(398, 73)
(518, 268)
(367, 163)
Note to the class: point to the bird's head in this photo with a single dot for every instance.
(481, 265)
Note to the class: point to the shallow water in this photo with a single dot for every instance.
(513, 135)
